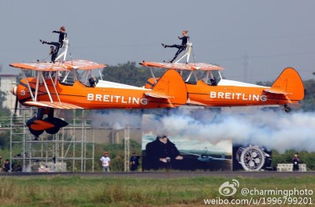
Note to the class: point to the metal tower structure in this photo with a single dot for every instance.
(126, 149)
(68, 150)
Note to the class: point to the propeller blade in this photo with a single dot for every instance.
(16, 105)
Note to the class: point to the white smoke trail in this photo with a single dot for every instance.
(116, 119)
(275, 130)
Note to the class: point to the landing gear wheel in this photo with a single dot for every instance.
(58, 123)
(287, 108)
(252, 158)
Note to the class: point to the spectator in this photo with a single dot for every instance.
(105, 162)
(134, 162)
(6, 166)
(296, 161)
(0, 164)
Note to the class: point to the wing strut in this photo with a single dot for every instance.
(37, 84)
(46, 87)
(29, 87)
(54, 85)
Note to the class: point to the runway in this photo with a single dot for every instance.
(169, 174)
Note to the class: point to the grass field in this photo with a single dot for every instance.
(129, 191)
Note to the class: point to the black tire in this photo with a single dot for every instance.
(53, 130)
(57, 122)
(35, 132)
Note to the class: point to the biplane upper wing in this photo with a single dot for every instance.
(40, 66)
(55, 105)
(182, 66)
(83, 64)
(59, 66)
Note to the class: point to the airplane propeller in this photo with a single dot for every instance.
(16, 105)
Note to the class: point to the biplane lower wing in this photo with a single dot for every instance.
(54, 105)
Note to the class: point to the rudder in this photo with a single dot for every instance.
(172, 85)
(290, 82)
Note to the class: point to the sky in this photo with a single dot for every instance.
(252, 39)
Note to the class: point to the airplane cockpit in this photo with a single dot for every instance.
(86, 77)
(211, 78)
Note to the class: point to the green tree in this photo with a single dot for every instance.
(128, 73)
(306, 157)
(308, 104)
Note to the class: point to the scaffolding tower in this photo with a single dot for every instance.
(68, 150)
(126, 149)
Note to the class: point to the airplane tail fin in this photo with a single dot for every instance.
(172, 85)
(290, 82)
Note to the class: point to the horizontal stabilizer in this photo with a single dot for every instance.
(55, 105)
(275, 91)
(196, 103)
(154, 94)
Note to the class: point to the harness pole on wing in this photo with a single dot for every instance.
(187, 53)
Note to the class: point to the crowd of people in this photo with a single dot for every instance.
(160, 154)
(106, 162)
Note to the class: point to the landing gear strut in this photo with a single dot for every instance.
(287, 108)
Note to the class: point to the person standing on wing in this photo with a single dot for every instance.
(53, 53)
(182, 47)
(62, 35)
(57, 45)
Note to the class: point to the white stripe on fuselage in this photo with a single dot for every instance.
(225, 82)
(109, 84)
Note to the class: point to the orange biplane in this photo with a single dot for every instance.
(60, 86)
(206, 87)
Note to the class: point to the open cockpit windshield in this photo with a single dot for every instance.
(209, 77)
(86, 77)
